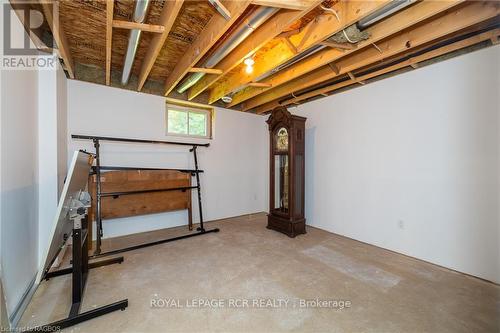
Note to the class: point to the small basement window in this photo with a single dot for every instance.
(189, 121)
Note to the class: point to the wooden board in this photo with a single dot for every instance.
(143, 203)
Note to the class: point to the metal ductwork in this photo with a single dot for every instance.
(140, 13)
(259, 16)
(389, 9)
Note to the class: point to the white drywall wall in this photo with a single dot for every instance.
(18, 197)
(52, 149)
(33, 166)
(235, 164)
(411, 163)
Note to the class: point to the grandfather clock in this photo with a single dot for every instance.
(286, 197)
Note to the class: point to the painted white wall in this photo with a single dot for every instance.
(411, 163)
(18, 196)
(33, 165)
(235, 164)
(52, 149)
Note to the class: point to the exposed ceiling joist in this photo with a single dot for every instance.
(413, 62)
(452, 21)
(205, 70)
(109, 38)
(398, 22)
(259, 84)
(119, 24)
(168, 15)
(286, 4)
(315, 32)
(267, 31)
(51, 13)
(341, 46)
(215, 29)
(221, 9)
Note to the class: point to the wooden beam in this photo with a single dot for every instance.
(259, 84)
(109, 38)
(289, 33)
(266, 32)
(51, 12)
(215, 29)
(221, 9)
(384, 29)
(341, 46)
(410, 62)
(290, 45)
(315, 32)
(205, 70)
(440, 25)
(139, 26)
(167, 18)
(188, 103)
(285, 4)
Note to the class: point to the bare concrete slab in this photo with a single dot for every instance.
(276, 275)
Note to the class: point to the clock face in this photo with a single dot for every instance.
(282, 139)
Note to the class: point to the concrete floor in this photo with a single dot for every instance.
(245, 261)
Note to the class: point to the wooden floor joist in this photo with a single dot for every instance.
(451, 21)
(214, 30)
(205, 70)
(396, 23)
(285, 4)
(168, 15)
(266, 32)
(314, 33)
(139, 26)
(109, 38)
(410, 62)
(51, 13)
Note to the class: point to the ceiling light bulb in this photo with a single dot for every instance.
(249, 62)
(249, 69)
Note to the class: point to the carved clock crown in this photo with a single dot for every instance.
(279, 115)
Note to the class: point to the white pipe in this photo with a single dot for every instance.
(140, 13)
(260, 15)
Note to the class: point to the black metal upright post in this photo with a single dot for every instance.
(201, 228)
(79, 271)
(98, 197)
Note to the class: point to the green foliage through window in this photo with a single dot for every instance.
(197, 124)
(187, 122)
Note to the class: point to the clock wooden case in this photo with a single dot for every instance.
(286, 197)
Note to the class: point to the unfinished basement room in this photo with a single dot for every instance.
(250, 166)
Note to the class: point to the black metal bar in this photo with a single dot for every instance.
(107, 138)
(117, 168)
(140, 246)
(201, 228)
(81, 317)
(98, 215)
(117, 194)
(69, 270)
(77, 276)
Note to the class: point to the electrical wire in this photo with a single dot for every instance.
(334, 12)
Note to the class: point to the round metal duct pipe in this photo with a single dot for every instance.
(259, 16)
(140, 13)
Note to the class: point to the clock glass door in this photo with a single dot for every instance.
(281, 171)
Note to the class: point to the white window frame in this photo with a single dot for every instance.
(189, 109)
